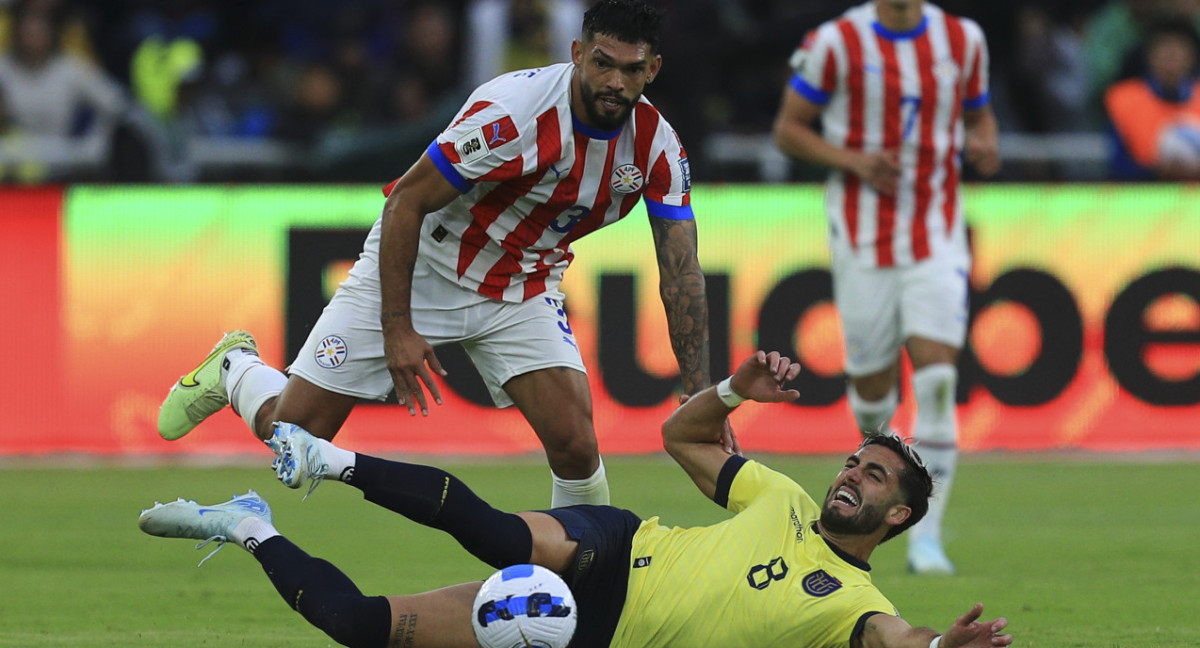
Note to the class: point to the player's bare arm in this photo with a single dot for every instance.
(982, 147)
(410, 357)
(692, 434)
(795, 135)
(681, 286)
(967, 631)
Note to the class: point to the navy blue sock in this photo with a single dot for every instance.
(435, 498)
(325, 596)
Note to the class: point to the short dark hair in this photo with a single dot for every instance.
(629, 21)
(915, 482)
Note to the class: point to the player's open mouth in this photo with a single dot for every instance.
(612, 103)
(845, 496)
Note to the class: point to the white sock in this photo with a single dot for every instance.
(935, 432)
(341, 461)
(872, 416)
(250, 383)
(569, 492)
(251, 532)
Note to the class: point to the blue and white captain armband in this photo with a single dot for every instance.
(731, 398)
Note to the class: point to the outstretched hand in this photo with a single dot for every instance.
(410, 359)
(761, 378)
(969, 632)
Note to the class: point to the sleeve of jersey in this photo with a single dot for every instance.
(741, 481)
(484, 144)
(814, 67)
(977, 93)
(847, 612)
(860, 625)
(669, 188)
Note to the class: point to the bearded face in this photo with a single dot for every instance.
(844, 514)
(864, 492)
(611, 76)
(606, 109)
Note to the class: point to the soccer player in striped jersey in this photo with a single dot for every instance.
(782, 570)
(901, 91)
(471, 246)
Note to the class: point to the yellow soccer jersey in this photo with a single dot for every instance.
(761, 578)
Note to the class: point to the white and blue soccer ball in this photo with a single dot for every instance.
(522, 606)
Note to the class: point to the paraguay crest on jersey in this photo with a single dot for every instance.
(331, 352)
(627, 179)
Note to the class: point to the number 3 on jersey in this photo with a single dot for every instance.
(567, 220)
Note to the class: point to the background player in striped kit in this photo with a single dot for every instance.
(901, 89)
(471, 246)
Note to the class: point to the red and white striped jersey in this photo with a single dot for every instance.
(902, 91)
(534, 179)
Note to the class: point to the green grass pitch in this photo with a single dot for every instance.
(1076, 553)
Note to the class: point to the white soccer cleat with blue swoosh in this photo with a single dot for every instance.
(187, 519)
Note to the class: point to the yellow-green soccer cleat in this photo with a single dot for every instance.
(201, 392)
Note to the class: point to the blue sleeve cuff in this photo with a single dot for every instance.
(977, 103)
(670, 212)
(815, 95)
(444, 165)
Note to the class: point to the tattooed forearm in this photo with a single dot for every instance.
(675, 243)
(405, 632)
(388, 316)
(687, 319)
(683, 294)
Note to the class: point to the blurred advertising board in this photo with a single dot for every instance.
(1085, 328)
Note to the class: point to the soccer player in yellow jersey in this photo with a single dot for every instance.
(782, 571)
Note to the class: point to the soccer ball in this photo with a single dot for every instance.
(521, 606)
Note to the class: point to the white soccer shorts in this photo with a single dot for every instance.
(344, 350)
(880, 308)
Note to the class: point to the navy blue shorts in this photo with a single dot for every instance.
(599, 578)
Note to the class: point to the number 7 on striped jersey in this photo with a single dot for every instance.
(911, 106)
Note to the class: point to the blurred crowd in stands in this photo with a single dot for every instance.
(312, 90)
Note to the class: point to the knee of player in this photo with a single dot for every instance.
(569, 440)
